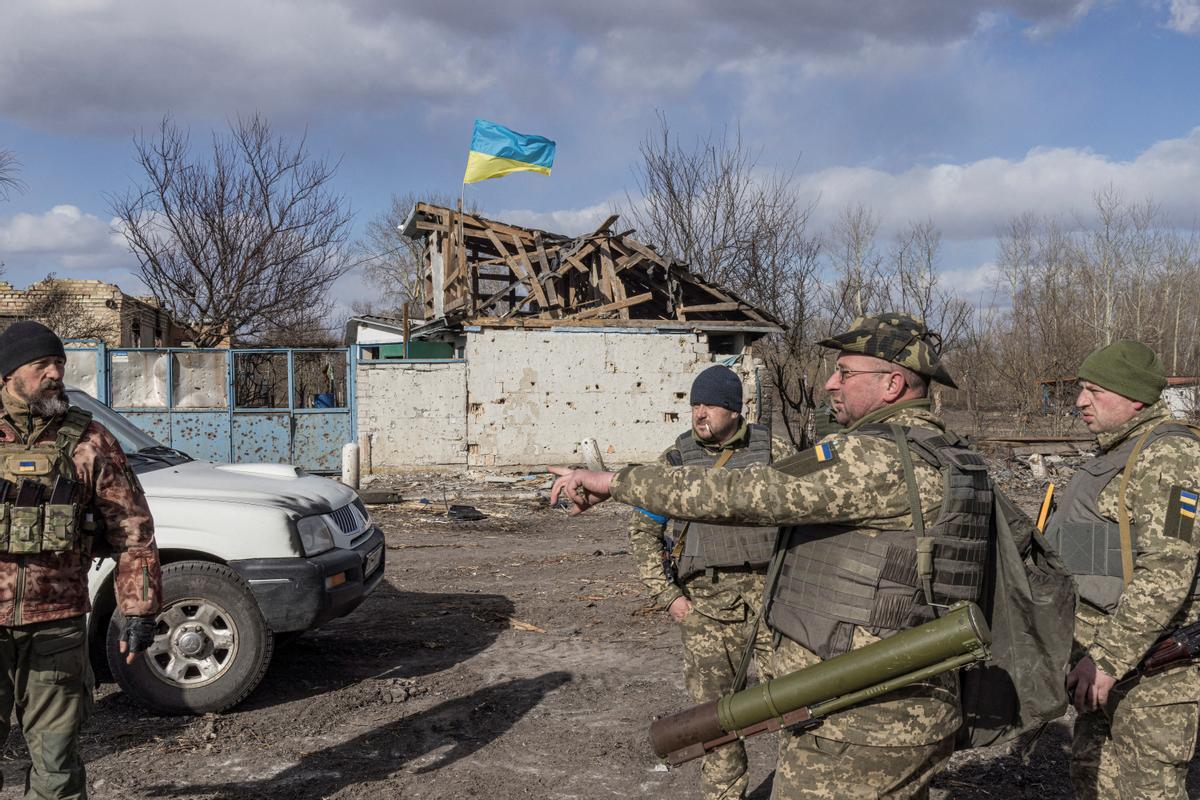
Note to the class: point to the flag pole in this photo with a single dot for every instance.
(462, 247)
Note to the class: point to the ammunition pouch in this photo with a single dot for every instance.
(46, 528)
(38, 492)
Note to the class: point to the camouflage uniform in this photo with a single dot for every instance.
(888, 747)
(44, 671)
(716, 630)
(851, 485)
(1140, 743)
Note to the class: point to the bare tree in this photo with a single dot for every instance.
(241, 243)
(857, 266)
(709, 207)
(392, 262)
(9, 167)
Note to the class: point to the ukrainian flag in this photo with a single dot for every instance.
(497, 151)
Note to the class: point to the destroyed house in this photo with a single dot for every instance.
(561, 339)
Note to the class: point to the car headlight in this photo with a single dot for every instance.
(315, 536)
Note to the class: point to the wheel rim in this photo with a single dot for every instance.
(195, 643)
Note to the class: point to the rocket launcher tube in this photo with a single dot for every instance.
(960, 637)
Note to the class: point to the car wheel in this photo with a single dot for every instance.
(211, 648)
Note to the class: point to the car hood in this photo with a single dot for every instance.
(275, 485)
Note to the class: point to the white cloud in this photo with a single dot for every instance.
(65, 237)
(567, 221)
(1185, 16)
(112, 64)
(973, 200)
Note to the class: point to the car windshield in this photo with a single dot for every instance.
(143, 450)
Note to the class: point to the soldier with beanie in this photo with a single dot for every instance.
(1124, 528)
(65, 480)
(708, 578)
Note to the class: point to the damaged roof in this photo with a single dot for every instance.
(483, 272)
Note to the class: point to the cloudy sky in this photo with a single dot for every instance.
(965, 112)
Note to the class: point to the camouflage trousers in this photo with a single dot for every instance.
(715, 634)
(816, 768)
(45, 676)
(1139, 745)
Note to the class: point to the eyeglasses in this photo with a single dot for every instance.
(844, 374)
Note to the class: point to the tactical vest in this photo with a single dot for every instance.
(42, 510)
(1090, 545)
(836, 577)
(708, 545)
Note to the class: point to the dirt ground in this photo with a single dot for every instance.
(508, 657)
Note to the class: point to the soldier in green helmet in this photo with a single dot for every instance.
(874, 543)
(712, 583)
(1124, 527)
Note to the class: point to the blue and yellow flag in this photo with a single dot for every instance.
(497, 151)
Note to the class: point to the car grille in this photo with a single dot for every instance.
(347, 521)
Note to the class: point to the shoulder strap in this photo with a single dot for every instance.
(72, 429)
(1123, 521)
(924, 543)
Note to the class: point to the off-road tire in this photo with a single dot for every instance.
(212, 646)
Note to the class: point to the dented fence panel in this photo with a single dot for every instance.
(263, 437)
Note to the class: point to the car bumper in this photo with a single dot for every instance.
(299, 594)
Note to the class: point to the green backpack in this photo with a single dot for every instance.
(1029, 600)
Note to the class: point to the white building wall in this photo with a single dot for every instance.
(534, 395)
(415, 413)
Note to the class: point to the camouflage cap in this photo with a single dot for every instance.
(899, 338)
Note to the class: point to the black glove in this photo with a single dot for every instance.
(139, 633)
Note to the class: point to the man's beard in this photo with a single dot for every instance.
(50, 407)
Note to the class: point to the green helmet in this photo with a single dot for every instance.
(899, 338)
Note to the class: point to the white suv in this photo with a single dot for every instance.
(248, 551)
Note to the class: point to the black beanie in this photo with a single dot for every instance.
(27, 341)
(718, 386)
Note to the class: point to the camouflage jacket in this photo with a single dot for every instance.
(646, 534)
(861, 486)
(48, 586)
(1157, 597)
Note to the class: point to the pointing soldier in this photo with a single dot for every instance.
(1124, 526)
(60, 469)
(713, 586)
(878, 542)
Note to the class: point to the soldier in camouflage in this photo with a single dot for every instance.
(863, 502)
(1133, 739)
(710, 580)
(65, 473)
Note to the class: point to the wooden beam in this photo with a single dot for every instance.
(604, 226)
(620, 305)
(730, 306)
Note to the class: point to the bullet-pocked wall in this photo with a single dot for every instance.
(413, 413)
(527, 398)
(532, 396)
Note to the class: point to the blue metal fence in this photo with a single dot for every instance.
(283, 405)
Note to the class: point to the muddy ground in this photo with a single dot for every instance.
(509, 657)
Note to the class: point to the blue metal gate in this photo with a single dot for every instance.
(281, 405)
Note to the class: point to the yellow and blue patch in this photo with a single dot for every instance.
(1181, 513)
(815, 458)
(1187, 503)
(27, 467)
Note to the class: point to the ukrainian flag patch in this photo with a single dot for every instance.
(26, 466)
(1181, 513)
(1187, 503)
(816, 458)
(824, 451)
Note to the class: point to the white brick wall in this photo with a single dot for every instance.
(526, 398)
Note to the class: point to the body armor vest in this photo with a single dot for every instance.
(835, 577)
(708, 545)
(1090, 544)
(41, 507)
